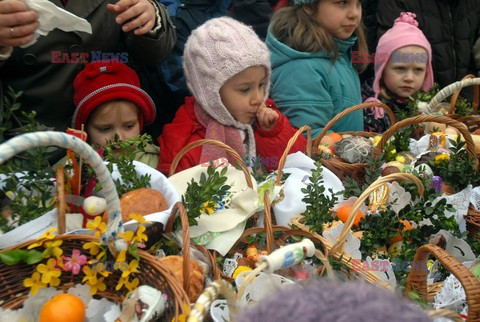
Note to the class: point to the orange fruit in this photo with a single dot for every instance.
(342, 214)
(406, 227)
(335, 136)
(63, 308)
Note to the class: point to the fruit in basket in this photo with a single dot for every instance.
(406, 227)
(63, 308)
(331, 138)
(327, 151)
(241, 269)
(143, 201)
(343, 212)
(376, 139)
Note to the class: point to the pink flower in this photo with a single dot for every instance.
(74, 263)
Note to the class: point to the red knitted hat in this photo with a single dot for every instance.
(101, 82)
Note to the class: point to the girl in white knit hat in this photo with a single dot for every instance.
(227, 68)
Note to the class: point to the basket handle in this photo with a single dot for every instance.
(417, 278)
(222, 145)
(290, 143)
(349, 110)
(476, 90)
(210, 294)
(427, 118)
(180, 208)
(450, 89)
(46, 138)
(342, 238)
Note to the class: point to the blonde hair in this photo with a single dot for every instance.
(297, 28)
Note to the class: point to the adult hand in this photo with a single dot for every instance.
(137, 15)
(17, 23)
(266, 118)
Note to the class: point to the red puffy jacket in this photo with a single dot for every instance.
(185, 129)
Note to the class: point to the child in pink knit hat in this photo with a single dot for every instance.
(403, 66)
(227, 68)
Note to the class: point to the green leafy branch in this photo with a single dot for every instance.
(31, 194)
(319, 205)
(29, 257)
(459, 170)
(204, 196)
(123, 153)
(372, 173)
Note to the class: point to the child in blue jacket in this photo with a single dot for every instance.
(313, 78)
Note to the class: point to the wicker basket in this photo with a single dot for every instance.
(473, 216)
(224, 286)
(470, 146)
(473, 222)
(270, 231)
(454, 90)
(417, 278)
(338, 166)
(179, 208)
(472, 121)
(237, 159)
(336, 250)
(151, 272)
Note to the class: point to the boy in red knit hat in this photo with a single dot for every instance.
(109, 101)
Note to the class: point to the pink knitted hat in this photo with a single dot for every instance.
(215, 52)
(404, 33)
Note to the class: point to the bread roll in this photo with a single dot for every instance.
(143, 201)
(175, 264)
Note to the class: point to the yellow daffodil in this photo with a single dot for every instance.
(90, 275)
(122, 256)
(94, 248)
(442, 157)
(121, 281)
(53, 248)
(34, 283)
(48, 235)
(99, 285)
(131, 286)
(132, 268)
(50, 272)
(97, 226)
(105, 272)
(140, 236)
(128, 236)
(209, 207)
(98, 267)
(182, 317)
(139, 218)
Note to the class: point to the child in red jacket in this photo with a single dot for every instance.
(227, 68)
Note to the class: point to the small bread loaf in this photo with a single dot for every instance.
(143, 201)
(175, 264)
